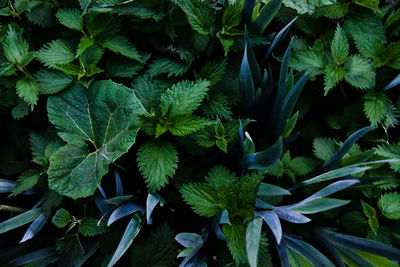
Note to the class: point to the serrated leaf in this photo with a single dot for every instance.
(199, 14)
(121, 45)
(16, 49)
(84, 43)
(89, 227)
(389, 204)
(332, 76)
(324, 148)
(360, 72)
(302, 165)
(70, 18)
(27, 89)
(182, 125)
(201, 198)
(168, 66)
(375, 108)
(183, 98)
(157, 162)
(61, 218)
(339, 46)
(307, 6)
(58, 52)
(51, 82)
(99, 124)
(236, 234)
(26, 181)
(370, 212)
(364, 22)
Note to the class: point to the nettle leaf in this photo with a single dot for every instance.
(389, 204)
(360, 72)
(168, 66)
(310, 60)
(26, 181)
(58, 52)
(199, 14)
(370, 212)
(375, 108)
(51, 82)
(70, 18)
(99, 124)
(339, 46)
(333, 75)
(184, 97)
(89, 227)
(61, 218)
(16, 49)
(324, 148)
(157, 162)
(121, 45)
(27, 89)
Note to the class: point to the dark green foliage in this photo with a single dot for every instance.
(199, 133)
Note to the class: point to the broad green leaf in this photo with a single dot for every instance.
(99, 124)
(360, 72)
(339, 46)
(184, 97)
(121, 45)
(19, 220)
(253, 235)
(70, 18)
(389, 204)
(51, 82)
(157, 162)
(333, 74)
(232, 15)
(27, 89)
(130, 234)
(182, 125)
(302, 165)
(364, 22)
(58, 52)
(61, 218)
(324, 148)
(202, 199)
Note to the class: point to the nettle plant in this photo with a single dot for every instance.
(177, 133)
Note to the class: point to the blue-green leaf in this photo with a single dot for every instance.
(253, 235)
(130, 233)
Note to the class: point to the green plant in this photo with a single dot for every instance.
(195, 133)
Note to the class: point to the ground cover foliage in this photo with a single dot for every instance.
(199, 133)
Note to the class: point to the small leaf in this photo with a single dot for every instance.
(389, 204)
(121, 45)
(89, 227)
(58, 52)
(370, 212)
(61, 218)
